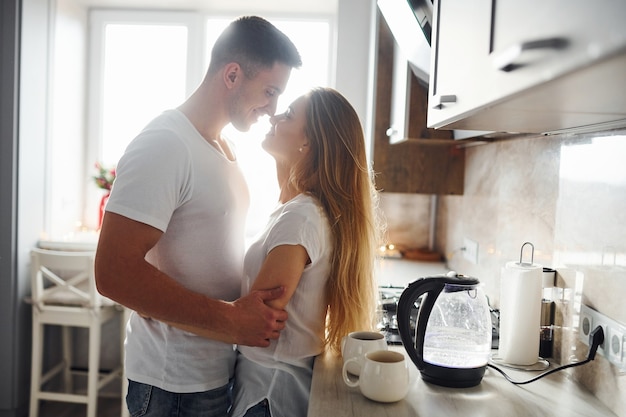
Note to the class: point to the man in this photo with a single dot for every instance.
(172, 240)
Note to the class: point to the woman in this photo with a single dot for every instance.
(319, 244)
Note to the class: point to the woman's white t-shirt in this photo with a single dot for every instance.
(282, 372)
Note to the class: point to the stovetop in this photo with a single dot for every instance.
(388, 321)
(387, 314)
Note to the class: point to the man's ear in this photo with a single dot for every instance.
(232, 72)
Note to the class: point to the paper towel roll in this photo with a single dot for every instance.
(520, 313)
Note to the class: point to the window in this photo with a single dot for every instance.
(132, 92)
(144, 63)
(140, 65)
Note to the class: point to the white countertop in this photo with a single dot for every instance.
(77, 241)
(555, 395)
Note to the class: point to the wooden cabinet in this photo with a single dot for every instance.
(528, 66)
(428, 161)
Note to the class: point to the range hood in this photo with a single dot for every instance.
(410, 23)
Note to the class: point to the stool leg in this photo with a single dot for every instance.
(94, 367)
(67, 358)
(36, 365)
(125, 317)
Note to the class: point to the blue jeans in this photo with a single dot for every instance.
(262, 409)
(145, 400)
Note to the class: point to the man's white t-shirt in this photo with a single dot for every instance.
(171, 178)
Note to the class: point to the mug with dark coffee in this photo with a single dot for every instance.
(357, 344)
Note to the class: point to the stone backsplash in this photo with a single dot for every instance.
(567, 195)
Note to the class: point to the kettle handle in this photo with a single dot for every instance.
(431, 287)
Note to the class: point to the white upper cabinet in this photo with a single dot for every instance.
(530, 66)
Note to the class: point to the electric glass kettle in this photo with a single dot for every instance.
(451, 341)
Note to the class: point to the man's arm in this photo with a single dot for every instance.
(123, 275)
(282, 269)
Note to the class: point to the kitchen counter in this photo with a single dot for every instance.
(555, 395)
(78, 241)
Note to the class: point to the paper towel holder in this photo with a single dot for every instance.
(521, 254)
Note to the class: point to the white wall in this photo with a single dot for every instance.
(32, 131)
(67, 114)
(356, 22)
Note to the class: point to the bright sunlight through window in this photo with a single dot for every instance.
(258, 167)
(145, 71)
(145, 68)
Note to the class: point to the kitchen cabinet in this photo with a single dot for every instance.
(426, 161)
(528, 67)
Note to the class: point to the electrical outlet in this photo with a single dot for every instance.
(615, 345)
(470, 250)
(586, 325)
(614, 335)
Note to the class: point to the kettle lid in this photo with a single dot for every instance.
(460, 279)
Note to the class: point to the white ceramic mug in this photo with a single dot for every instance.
(357, 344)
(384, 376)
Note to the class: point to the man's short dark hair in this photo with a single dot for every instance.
(255, 44)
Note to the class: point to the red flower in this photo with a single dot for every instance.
(105, 177)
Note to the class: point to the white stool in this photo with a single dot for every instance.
(64, 294)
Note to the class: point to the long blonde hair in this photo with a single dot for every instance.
(337, 174)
